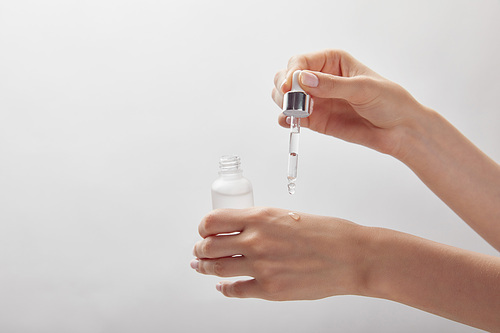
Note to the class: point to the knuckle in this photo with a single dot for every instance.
(328, 83)
(261, 213)
(218, 268)
(253, 244)
(337, 54)
(277, 97)
(366, 88)
(207, 246)
(202, 267)
(293, 59)
(236, 289)
(207, 224)
(198, 249)
(208, 221)
(340, 52)
(297, 62)
(262, 248)
(265, 211)
(277, 77)
(264, 270)
(365, 83)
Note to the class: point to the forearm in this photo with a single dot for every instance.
(458, 172)
(457, 284)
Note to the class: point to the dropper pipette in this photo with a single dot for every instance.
(296, 105)
(293, 153)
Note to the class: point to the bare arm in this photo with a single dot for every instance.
(453, 283)
(458, 172)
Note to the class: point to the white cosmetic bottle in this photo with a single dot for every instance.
(231, 189)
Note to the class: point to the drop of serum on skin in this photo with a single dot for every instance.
(294, 216)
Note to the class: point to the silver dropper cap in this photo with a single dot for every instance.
(296, 103)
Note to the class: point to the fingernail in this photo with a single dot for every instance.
(194, 264)
(309, 79)
(288, 120)
(218, 286)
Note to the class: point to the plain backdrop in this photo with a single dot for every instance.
(113, 115)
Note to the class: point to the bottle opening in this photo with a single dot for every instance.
(230, 163)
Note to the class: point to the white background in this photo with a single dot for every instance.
(113, 115)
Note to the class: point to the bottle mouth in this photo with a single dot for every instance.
(230, 163)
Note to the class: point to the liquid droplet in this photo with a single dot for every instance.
(291, 188)
(294, 216)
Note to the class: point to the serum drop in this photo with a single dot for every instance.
(231, 189)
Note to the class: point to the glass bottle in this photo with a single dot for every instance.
(231, 189)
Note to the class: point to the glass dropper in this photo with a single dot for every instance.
(293, 153)
(295, 105)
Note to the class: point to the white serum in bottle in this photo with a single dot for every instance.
(231, 189)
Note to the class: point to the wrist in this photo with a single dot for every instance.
(382, 252)
(369, 243)
(415, 134)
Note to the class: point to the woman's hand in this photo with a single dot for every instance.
(310, 258)
(316, 257)
(352, 102)
(355, 104)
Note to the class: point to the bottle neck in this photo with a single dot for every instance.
(230, 166)
(231, 176)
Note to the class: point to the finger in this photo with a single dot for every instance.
(315, 61)
(356, 90)
(218, 247)
(277, 97)
(284, 121)
(312, 61)
(222, 221)
(224, 267)
(240, 289)
(279, 78)
(331, 61)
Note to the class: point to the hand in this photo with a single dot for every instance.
(355, 104)
(351, 102)
(312, 258)
(317, 257)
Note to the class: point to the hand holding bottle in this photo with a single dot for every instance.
(316, 257)
(312, 258)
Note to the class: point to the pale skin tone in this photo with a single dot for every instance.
(316, 256)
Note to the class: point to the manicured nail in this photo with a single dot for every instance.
(309, 79)
(194, 264)
(218, 286)
(288, 120)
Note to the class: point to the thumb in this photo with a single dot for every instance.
(358, 89)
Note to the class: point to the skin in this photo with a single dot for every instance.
(316, 256)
